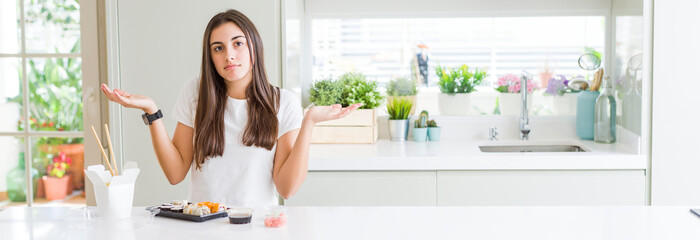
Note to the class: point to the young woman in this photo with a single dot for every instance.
(243, 139)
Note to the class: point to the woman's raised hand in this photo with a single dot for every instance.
(130, 100)
(325, 113)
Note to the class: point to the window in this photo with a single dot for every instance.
(382, 48)
(41, 101)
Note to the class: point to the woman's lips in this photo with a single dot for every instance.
(232, 66)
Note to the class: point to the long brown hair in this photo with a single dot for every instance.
(261, 96)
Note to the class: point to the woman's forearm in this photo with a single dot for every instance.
(169, 157)
(293, 171)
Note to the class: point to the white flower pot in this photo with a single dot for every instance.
(511, 104)
(565, 105)
(455, 104)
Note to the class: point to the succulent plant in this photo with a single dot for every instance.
(422, 120)
(432, 123)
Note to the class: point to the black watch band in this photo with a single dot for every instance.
(149, 118)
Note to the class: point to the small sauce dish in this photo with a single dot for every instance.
(240, 215)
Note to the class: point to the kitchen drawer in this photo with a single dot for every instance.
(571, 187)
(370, 188)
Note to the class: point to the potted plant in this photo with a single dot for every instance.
(404, 88)
(325, 92)
(57, 184)
(359, 126)
(563, 97)
(433, 131)
(509, 98)
(399, 110)
(420, 128)
(455, 85)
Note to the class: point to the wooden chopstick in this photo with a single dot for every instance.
(111, 150)
(102, 150)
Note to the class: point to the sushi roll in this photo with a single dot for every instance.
(176, 209)
(189, 209)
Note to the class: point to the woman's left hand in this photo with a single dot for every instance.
(318, 114)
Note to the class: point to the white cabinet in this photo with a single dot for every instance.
(415, 188)
(472, 188)
(575, 187)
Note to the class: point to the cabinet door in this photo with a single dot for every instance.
(623, 187)
(366, 189)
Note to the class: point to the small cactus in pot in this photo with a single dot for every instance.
(433, 131)
(420, 128)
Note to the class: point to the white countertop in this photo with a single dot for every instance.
(465, 155)
(620, 222)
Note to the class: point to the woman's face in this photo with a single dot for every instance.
(230, 53)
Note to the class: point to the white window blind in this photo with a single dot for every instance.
(383, 48)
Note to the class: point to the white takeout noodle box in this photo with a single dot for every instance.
(114, 194)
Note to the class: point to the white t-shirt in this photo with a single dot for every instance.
(243, 175)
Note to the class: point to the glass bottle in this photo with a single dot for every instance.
(631, 105)
(16, 181)
(605, 114)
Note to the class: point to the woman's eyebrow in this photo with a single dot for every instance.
(234, 38)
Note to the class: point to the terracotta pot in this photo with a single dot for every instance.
(40, 192)
(55, 188)
(76, 152)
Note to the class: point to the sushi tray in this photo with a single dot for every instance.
(199, 212)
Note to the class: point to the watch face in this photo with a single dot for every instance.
(145, 119)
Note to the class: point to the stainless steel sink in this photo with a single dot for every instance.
(533, 148)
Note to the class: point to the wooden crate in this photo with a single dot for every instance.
(358, 127)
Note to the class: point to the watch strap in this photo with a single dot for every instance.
(148, 119)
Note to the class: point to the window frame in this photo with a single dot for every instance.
(90, 79)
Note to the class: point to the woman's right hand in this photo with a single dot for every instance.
(130, 100)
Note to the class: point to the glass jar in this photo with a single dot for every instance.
(605, 114)
(16, 181)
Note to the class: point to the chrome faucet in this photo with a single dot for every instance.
(524, 119)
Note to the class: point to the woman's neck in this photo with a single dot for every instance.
(236, 89)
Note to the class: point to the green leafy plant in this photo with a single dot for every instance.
(422, 121)
(55, 97)
(459, 79)
(357, 89)
(399, 108)
(55, 89)
(325, 92)
(401, 87)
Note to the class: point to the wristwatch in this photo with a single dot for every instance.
(149, 118)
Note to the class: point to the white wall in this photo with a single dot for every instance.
(462, 7)
(675, 163)
(159, 50)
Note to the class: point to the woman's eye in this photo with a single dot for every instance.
(218, 48)
(238, 44)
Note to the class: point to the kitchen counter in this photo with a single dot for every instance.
(641, 222)
(446, 154)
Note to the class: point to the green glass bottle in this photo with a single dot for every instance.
(16, 187)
